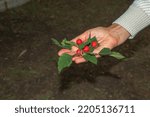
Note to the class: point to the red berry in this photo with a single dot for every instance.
(78, 41)
(94, 44)
(78, 52)
(86, 49)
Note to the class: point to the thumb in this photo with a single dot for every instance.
(97, 50)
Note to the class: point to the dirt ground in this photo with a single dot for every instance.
(28, 60)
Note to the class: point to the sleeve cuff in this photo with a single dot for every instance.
(133, 20)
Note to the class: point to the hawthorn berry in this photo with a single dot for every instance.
(78, 52)
(94, 44)
(79, 41)
(86, 49)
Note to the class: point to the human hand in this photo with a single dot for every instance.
(107, 37)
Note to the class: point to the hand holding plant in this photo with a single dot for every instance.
(87, 47)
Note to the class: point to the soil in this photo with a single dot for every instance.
(28, 59)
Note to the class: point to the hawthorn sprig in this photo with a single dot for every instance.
(85, 49)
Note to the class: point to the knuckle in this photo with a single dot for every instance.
(113, 42)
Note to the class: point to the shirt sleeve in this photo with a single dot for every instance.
(136, 18)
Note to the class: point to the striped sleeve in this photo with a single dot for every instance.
(136, 18)
(144, 5)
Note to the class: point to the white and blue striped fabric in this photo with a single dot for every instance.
(144, 5)
(136, 18)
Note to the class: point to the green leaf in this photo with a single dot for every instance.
(64, 61)
(68, 44)
(81, 46)
(105, 51)
(63, 41)
(71, 43)
(117, 55)
(56, 42)
(91, 48)
(90, 58)
(93, 39)
(89, 40)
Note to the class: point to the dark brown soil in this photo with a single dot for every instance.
(28, 60)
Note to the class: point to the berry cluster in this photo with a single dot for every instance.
(86, 48)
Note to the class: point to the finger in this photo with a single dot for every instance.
(74, 48)
(80, 60)
(62, 51)
(76, 57)
(71, 53)
(97, 56)
(68, 52)
(103, 45)
(97, 50)
(79, 57)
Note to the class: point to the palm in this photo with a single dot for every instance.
(104, 38)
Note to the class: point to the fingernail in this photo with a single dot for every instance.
(59, 53)
(76, 62)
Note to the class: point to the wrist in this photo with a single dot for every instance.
(119, 33)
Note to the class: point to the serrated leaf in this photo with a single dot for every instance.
(56, 42)
(64, 61)
(91, 48)
(88, 41)
(68, 44)
(63, 41)
(105, 51)
(93, 39)
(81, 46)
(90, 58)
(117, 55)
(71, 43)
